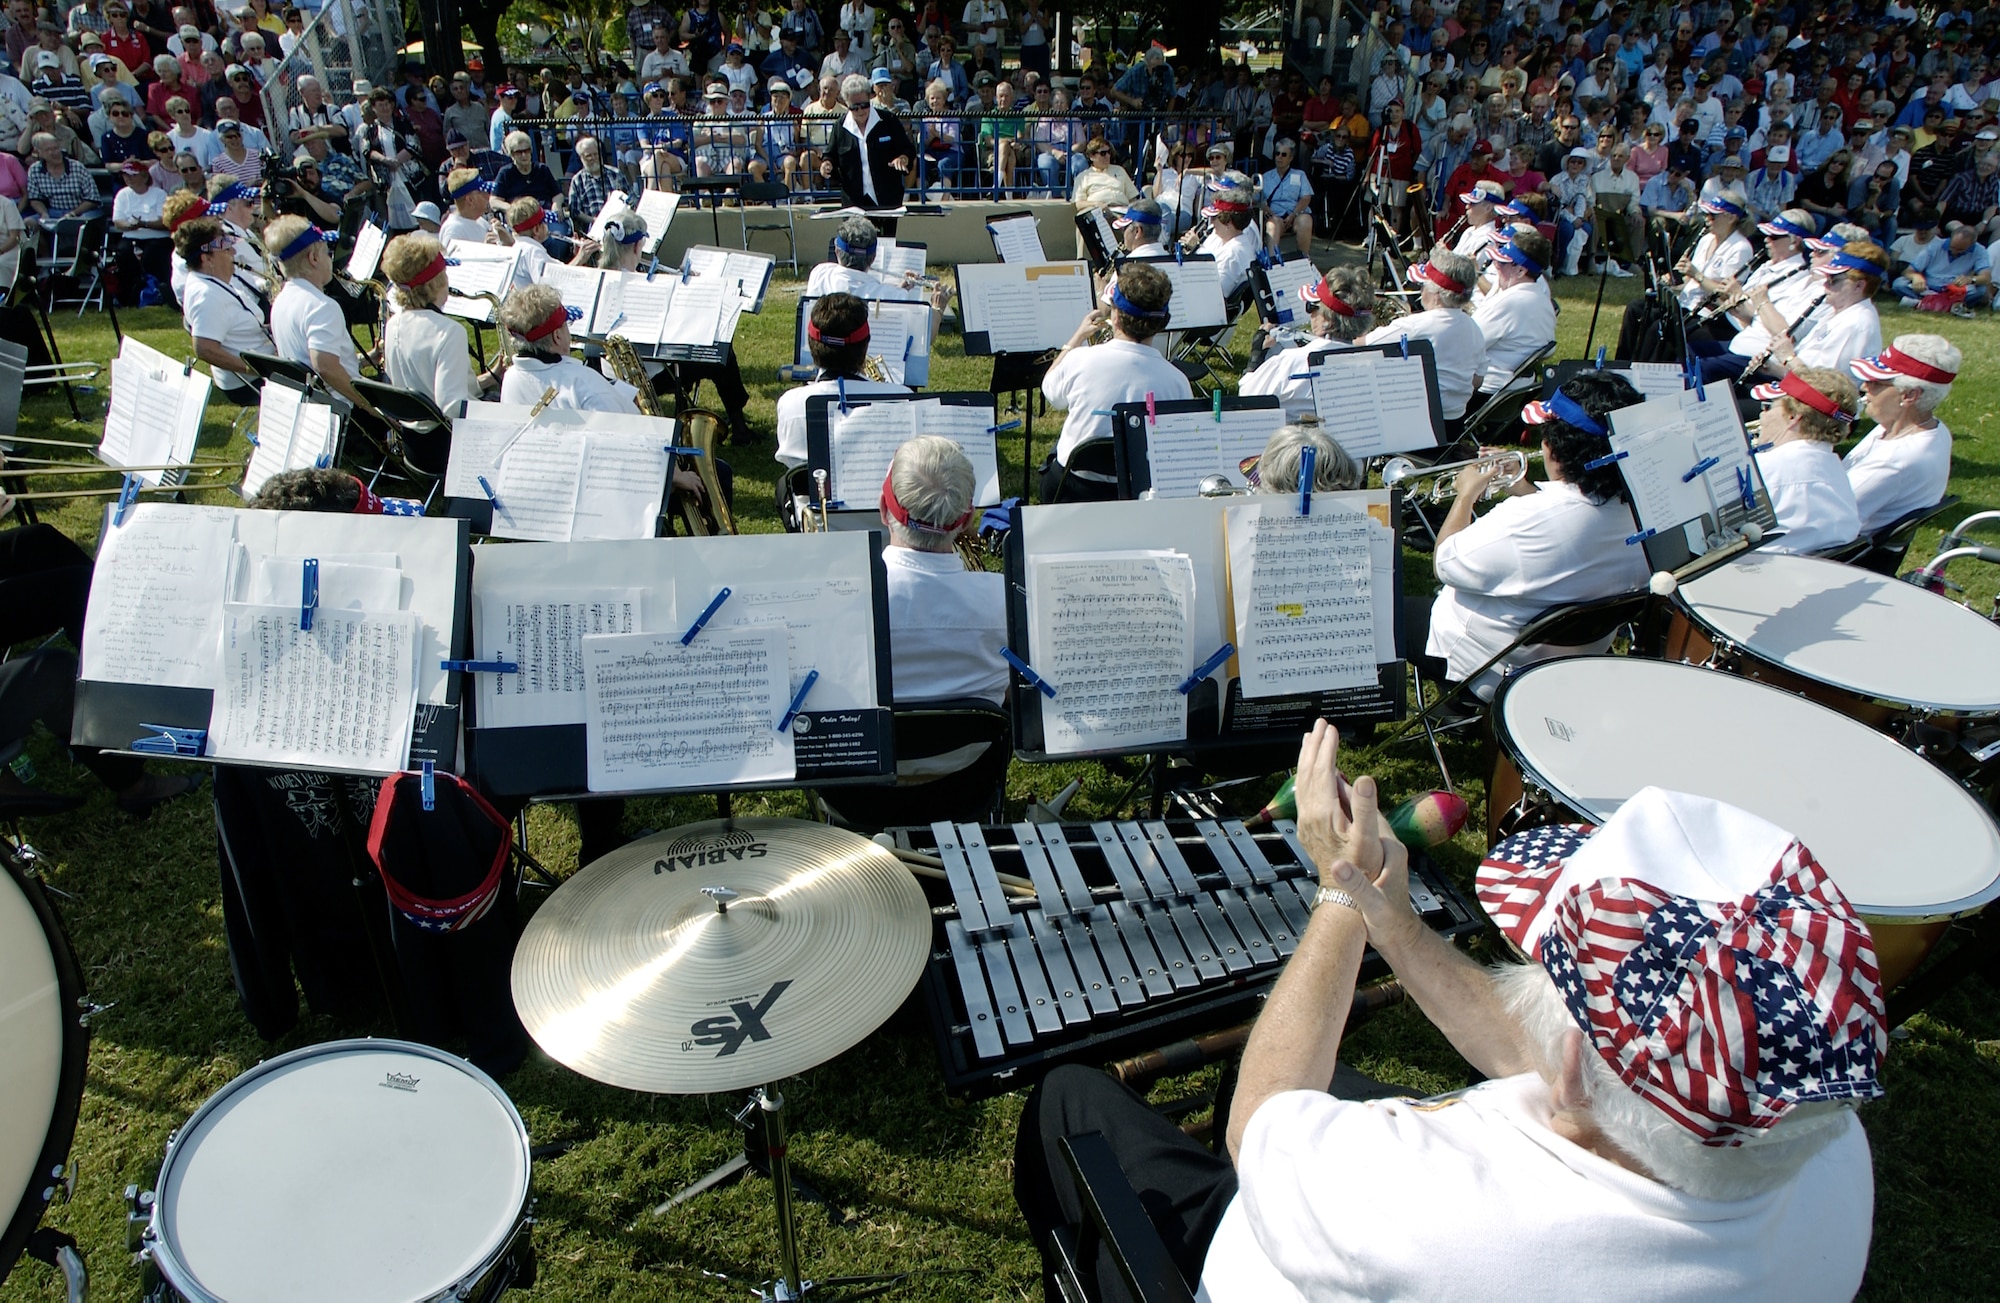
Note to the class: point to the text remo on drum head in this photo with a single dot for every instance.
(374, 1170)
(1910, 847)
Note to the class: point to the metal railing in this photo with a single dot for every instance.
(346, 40)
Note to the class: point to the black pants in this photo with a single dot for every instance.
(1648, 334)
(44, 584)
(1058, 485)
(42, 686)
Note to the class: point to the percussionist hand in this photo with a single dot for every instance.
(1332, 823)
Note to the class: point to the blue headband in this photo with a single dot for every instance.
(1570, 412)
(1131, 309)
(476, 183)
(845, 247)
(1515, 255)
(1140, 217)
(654, 88)
(1855, 262)
(1784, 226)
(305, 240)
(1721, 205)
(233, 191)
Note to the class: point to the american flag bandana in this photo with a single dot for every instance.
(1722, 1014)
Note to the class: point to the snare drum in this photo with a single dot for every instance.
(1910, 847)
(1874, 648)
(43, 1045)
(358, 1169)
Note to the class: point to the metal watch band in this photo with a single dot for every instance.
(1335, 896)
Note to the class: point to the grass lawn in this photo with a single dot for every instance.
(924, 1179)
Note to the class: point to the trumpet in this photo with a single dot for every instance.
(1511, 465)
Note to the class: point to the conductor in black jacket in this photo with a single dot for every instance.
(870, 153)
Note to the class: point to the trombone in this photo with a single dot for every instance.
(1511, 465)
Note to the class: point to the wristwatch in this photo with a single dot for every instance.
(1335, 896)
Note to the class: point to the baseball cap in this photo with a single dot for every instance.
(1778, 154)
(1482, 146)
(882, 77)
(1795, 385)
(229, 127)
(48, 59)
(304, 158)
(135, 166)
(453, 138)
(985, 79)
(716, 91)
(776, 85)
(1705, 954)
(508, 89)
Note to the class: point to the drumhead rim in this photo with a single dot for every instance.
(75, 1062)
(160, 1244)
(1684, 604)
(1939, 912)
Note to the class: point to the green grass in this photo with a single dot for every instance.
(923, 1177)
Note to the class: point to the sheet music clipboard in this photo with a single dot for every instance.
(1017, 238)
(1689, 471)
(435, 560)
(155, 414)
(1220, 718)
(751, 271)
(1046, 302)
(1356, 429)
(1132, 447)
(819, 445)
(1277, 287)
(913, 318)
(1197, 302)
(1651, 379)
(832, 746)
(1100, 239)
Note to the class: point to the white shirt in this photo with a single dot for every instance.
(10, 261)
(1789, 299)
(1285, 374)
(577, 387)
(1517, 322)
(1893, 477)
(860, 133)
(425, 353)
(1472, 244)
(1811, 494)
(1088, 382)
(984, 11)
(227, 314)
(1833, 338)
(128, 205)
(832, 278)
(532, 262)
(1473, 1196)
(947, 625)
(305, 321)
(1457, 341)
(201, 142)
(792, 412)
(1719, 260)
(1232, 259)
(1529, 553)
(456, 226)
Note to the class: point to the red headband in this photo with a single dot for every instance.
(901, 515)
(859, 335)
(1331, 301)
(1229, 206)
(199, 208)
(1439, 279)
(368, 504)
(529, 225)
(1916, 370)
(558, 318)
(428, 274)
(1794, 384)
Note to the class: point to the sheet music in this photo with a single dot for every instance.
(694, 312)
(821, 633)
(747, 273)
(480, 269)
(539, 477)
(614, 204)
(1657, 379)
(1657, 454)
(1286, 279)
(644, 304)
(1719, 433)
(971, 428)
(1403, 402)
(1100, 221)
(661, 716)
(542, 633)
(366, 256)
(1383, 549)
(610, 314)
(156, 593)
(1025, 309)
(657, 207)
(624, 482)
(1111, 631)
(340, 696)
(479, 435)
(862, 442)
(579, 287)
(1018, 239)
(895, 260)
(155, 413)
(1197, 297)
(899, 333)
(1372, 404)
(292, 434)
(1304, 597)
(1183, 448)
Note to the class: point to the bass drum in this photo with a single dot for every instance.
(43, 1045)
(1911, 848)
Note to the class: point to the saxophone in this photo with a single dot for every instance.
(698, 517)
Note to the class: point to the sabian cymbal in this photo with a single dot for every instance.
(643, 971)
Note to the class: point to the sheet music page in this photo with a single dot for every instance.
(1344, 394)
(861, 443)
(1182, 448)
(542, 633)
(828, 626)
(645, 304)
(1105, 231)
(694, 312)
(154, 417)
(1197, 298)
(1006, 311)
(369, 242)
(1719, 433)
(1656, 456)
(342, 695)
(662, 716)
(971, 428)
(898, 332)
(539, 477)
(893, 259)
(746, 273)
(1111, 631)
(292, 434)
(1286, 280)
(1243, 434)
(624, 483)
(156, 594)
(1657, 379)
(1063, 298)
(579, 287)
(1382, 550)
(276, 580)
(1018, 239)
(657, 207)
(1304, 596)
(610, 313)
(614, 204)
(476, 441)
(1402, 404)
(481, 269)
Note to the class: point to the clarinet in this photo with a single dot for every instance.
(1757, 362)
(1711, 303)
(1712, 311)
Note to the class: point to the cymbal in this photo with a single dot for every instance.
(721, 955)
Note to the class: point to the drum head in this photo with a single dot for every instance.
(42, 1052)
(1853, 629)
(1901, 838)
(351, 1170)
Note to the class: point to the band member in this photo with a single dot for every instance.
(307, 326)
(1786, 282)
(1340, 309)
(1783, 275)
(1277, 469)
(423, 350)
(1517, 320)
(1843, 328)
(851, 269)
(1481, 225)
(869, 153)
(221, 314)
(236, 203)
(1540, 546)
(1445, 288)
(837, 336)
(1087, 380)
(1138, 226)
(537, 327)
(470, 216)
(1905, 461)
(1231, 240)
(1715, 261)
(947, 624)
(533, 259)
(1805, 414)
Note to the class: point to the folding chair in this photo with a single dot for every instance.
(419, 433)
(1090, 474)
(1202, 355)
(1115, 1219)
(1886, 547)
(1502, 409)
(779, 196)
(951, 763)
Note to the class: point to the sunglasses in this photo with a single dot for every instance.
(119, 113)
(191, 171)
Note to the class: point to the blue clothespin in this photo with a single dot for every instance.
(708, 612)
(1308, 459)
(1405, 345)
(428, 782)
(651, 268)
(1152, 411)
(798, 700)
(308, 593)
(324, 462)
(1762, 447)
(1207, 667)
(1004, 426)
(684, 271)
(1700, 390)
(1178, 258)
(251, 435)
(840, 382)
(1599, 463)
(1640, 537)
(1218, 406)
(1746, 488)
(491, 496)
(170, 741)
(1701, 467)
(676, 450)
(1035, 681)
(1600, 357)
(480, 667)
(128, 494)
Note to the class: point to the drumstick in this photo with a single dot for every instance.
(930, 866)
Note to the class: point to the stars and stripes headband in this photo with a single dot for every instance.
(1785, 226)
(1708, 958)
(1321, 295)
(1136, 216)
(1561, 407)
(1479, 195)
(429, 272)
(859, 335)
(1429, 272)
(1225, 206)
(1131, 309)
(470, 185)
(538, 218)
(233, 191)
(901, 514)
(1845, 261)
(1827, 243)
(1722, 205)
(223, 240)
(305, 240)
(1508, 251)
(199, 208)
(558, 318)
(1891, 362)
(1795, 386)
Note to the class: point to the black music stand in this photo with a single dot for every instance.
(1019, 376)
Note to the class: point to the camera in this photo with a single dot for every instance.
(279, 179)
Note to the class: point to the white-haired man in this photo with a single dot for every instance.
(1445, 285)
(1905, 461)
(851, 269)
(1669, 1084)
(947, 624)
